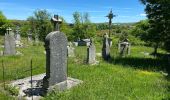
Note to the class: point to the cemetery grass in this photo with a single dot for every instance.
(117, 79)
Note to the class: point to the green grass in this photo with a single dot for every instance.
(135, 77)
(115, 81)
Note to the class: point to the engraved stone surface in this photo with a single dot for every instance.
(106, 48)
(70, 50)
(56, 59)
(91, 54)
(9, 46)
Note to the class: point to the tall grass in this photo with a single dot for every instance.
(134, 77)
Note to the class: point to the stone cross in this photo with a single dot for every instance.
(91, 54)
(106, 48)
(9, 46)
(56, 21)
(56, 60)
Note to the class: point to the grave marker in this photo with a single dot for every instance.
(9, 46)
(91, 54)
(106, 48)
(56, 58)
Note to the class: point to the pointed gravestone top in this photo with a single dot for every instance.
(56, 21)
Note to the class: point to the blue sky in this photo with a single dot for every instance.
(126, 10)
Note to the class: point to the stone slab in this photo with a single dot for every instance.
(24, 86)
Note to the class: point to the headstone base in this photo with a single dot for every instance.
(94, 63)
(37, 91)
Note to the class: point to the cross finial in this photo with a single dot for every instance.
(57, 21)
(8, 30)
(110, 17)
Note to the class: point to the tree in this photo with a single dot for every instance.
(65, 28)
(158, 13)
(40, 23)
(4, 23)
(83, 28)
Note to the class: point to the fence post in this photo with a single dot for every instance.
(3, 74)
(31, 80)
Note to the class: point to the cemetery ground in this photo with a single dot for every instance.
(136, 77)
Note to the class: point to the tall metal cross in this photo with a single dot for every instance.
(110, 17)
(57, 21)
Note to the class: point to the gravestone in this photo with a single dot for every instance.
(17, 35)
(9, 46)
(29, 35)
(70, 50)
(36, 38)
(124, 48)
(91, 54)
(106, 48)
(18, 38)
(109, 39)
(56, 59)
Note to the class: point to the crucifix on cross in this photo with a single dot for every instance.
(110, 17)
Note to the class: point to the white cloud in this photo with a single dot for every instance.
(143, 15)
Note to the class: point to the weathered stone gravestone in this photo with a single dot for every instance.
(36, 38)
(55, 78)
(29, 36)
(9, 46)
(56, 59)
(70, 50)
(124, 48)
(110, 41)
(18, 38)
(91, 54)
(17, 34)
(106, 48)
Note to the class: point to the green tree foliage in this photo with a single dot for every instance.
(83, 28)
(158, 13)
(4, 23)
(65, 28)
(140, 30)
(40, 23)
